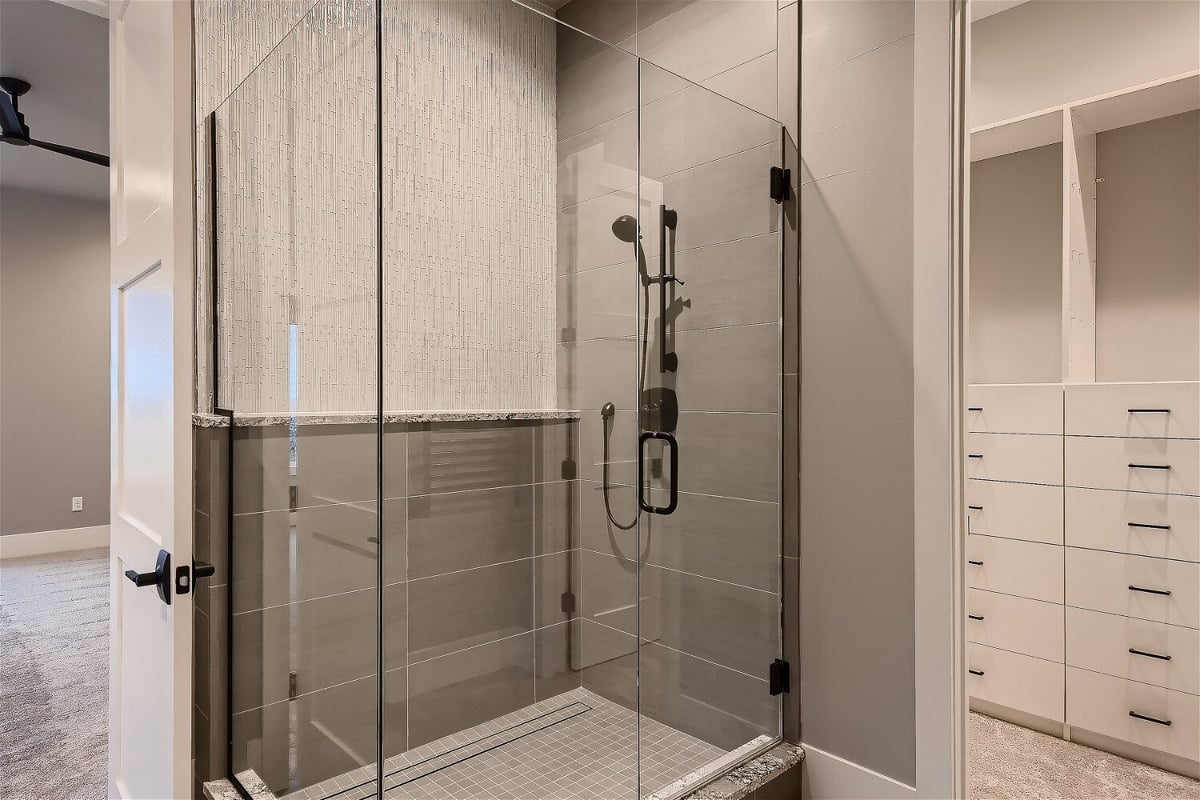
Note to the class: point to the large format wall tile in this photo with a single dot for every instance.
(717, 705)
(464, 609)
(447, 458)
(457, 691)
(557, 660)
(461, 530)
(717, 621)
(726, 538)
(331, 549)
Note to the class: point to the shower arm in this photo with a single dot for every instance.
(667, 220)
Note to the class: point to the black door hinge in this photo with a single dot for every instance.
(780, 677)
(568, 602)
(293, 689)
(780, 184)
(569, 470)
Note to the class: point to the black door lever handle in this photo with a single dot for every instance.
(202, 569)
(160, 578)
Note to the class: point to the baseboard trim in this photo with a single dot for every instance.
(39, 543)
(830, 777)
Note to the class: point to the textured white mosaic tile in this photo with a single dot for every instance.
(469, 205)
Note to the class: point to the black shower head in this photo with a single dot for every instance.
(625, 228)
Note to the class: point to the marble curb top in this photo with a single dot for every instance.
(351, 418)
(737, 783)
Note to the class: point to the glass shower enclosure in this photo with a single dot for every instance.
(496, 313)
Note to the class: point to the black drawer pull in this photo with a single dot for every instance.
(978, 617)
(1149, 466)
(974, 455)
(975, 563)
(979, 672)
(974, 408)
(1149, 411)
(1155, 720)
(975, 508)
(1149, 525)
(1163, 592)
(1137, 652)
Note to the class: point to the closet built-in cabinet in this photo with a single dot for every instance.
(1083, 423)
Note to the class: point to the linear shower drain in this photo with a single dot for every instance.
(457, 754)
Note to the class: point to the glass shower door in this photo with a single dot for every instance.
(710, 427)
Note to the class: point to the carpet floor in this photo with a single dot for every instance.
(1009, 762)
(54, 677)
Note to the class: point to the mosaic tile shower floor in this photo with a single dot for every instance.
(574, 746)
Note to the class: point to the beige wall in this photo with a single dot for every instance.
(1148, 251)
(1049, 52)
(54, 354)
(1016, 268)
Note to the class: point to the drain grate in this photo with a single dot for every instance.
(458, 754)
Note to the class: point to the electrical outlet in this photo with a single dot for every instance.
(77, 504)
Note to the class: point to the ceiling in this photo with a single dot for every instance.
(62, 49)
(986, 8)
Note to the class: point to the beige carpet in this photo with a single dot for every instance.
(1009, 762)
(54, 677)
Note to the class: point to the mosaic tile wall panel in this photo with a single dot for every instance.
(469, 170)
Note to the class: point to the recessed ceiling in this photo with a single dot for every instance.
(63, 52)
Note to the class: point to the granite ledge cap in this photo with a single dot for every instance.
(750, 776)
(256, 420)
(222, 789)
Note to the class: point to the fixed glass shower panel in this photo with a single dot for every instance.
(290, 174)
(506, 463)
(709, 417)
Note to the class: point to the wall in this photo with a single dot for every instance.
(1016, 268)
(469, 224)
(1049, 52)
(54, 400)
(857, 626)
(1148, 251)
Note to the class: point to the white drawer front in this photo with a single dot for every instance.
(1015, 510)
(1009, 566)
(1148, 652)
(1165, 410)
(1101, 581)
(1025, 626)
(1015, 457)
(1160, 525)
(1035, 408)
(1018, 681)
(1165, 466)
(1101, 703)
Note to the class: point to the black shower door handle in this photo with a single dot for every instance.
(673, 498)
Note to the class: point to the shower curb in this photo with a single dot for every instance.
(748, 777)
(736, 784)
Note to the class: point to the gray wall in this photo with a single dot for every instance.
(54, 388)
(1148, 251)
(856, 396)
(1049, 52)
(1016, 268)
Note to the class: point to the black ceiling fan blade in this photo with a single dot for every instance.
(74, 152)
(10, 120)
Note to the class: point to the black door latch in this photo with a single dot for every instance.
(160, 578)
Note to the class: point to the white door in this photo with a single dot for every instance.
(150, 87)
